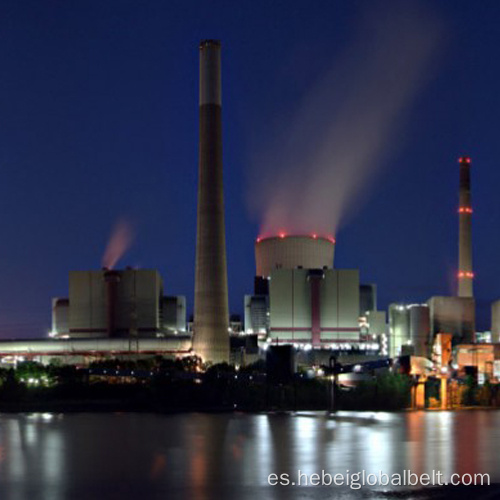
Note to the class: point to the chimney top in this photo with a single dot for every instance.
(209, 43)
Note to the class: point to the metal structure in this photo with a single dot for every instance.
(211, 310)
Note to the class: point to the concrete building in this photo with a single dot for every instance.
(257, 314)
(495, 321)
(455, 315)
(314, 306)
(211, 309)
(118, 303)
(299, 298)
(409, 330)
(399, 329)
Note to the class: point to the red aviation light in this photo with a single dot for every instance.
(464, 159)
(282, 235)
(331, 239)
(258, 239)
(314, 236)
(465, 210)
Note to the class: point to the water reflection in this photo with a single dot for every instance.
(204, 456)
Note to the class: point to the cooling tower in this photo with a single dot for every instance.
(290, 252)
(465, 272)
(211, 311)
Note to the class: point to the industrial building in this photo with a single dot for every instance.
(117, 303)
(409, 330)
(495, 321)
(301, 299)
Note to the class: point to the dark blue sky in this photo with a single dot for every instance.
(99, 121)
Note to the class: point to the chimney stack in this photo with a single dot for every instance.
(465, 272)
(211, 310)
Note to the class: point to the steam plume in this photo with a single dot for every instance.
(119, 242)
(325, 156)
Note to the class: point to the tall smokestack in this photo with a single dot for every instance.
(465, 272)
(211, 310)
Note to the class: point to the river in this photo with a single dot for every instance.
(225, 456)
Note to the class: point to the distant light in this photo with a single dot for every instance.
(465, 274)
(259, 239)
(464, 159)
(282, 235)
(314, 236)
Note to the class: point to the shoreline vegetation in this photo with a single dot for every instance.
(172, 386)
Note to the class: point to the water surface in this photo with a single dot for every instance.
(204, 456)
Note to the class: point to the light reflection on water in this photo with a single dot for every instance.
(204, 456)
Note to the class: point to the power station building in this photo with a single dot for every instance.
(409, 330)
(117, 303)
(300, 298)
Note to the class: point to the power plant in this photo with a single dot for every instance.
(307, 302)
(117, 304)
(300, 298)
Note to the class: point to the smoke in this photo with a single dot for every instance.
(119, 242)
(323, 157)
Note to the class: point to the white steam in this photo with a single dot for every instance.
(119, 242)
(348, 124)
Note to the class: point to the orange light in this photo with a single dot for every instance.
(465, 210)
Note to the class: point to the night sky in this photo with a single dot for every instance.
(99, 123)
